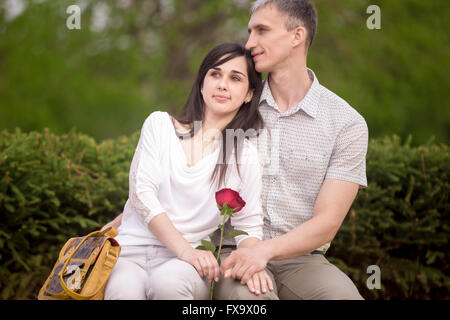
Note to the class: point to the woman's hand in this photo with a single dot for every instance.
(203, 261)
(115, 223)
(260, 282)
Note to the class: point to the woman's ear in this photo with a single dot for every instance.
(249, 96)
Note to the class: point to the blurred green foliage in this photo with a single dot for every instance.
(54, 187)
(400, 222)
(106, 78)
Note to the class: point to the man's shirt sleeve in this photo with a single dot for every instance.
(348, 159)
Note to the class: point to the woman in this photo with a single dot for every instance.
(178, 166)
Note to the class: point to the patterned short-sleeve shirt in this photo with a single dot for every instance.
(322, 137)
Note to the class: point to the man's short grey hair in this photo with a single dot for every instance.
(299, 13)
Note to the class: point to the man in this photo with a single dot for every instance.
(321, 165)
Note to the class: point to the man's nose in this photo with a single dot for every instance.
(250, 42)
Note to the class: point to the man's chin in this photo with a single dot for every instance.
(261, 68)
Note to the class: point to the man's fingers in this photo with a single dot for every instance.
(227, 274)
(236, 269)
(248, 274)
(228, 263)
(241, 271)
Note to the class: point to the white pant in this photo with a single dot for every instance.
(154, 272)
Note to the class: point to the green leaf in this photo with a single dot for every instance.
(209, 246)
(18, 194)
(234, 233)
(55, 201)
(4, 235)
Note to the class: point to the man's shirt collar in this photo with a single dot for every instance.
(308, 104)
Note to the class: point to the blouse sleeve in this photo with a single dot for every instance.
(250, 218)
(145, 170)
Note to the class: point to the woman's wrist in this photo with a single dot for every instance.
(182, 251)
(164, 230)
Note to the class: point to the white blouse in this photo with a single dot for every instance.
(160, 181)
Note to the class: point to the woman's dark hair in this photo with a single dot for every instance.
(248, 116)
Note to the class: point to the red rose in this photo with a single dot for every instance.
(231, 198)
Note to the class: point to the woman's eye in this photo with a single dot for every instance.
(236, 79)
(214, 74)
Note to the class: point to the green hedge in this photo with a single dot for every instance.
(400, 223)
(56, 187)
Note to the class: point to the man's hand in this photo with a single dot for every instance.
(243, 263)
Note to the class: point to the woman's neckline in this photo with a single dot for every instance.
(179, 136)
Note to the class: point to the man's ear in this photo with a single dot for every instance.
(299, 36)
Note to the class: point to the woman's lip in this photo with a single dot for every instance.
(220, 98)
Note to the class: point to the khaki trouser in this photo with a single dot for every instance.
(309, 277)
